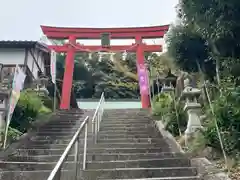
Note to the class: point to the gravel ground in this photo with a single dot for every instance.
(234, 172)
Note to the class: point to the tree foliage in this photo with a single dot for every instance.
(210, 25)
(188, 48)
(207, 39)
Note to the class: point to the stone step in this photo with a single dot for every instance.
(46, 133)
(128, 136)
(131, 140)
(32, 166)
(70, 115)
(110, 125)
(98, 145)
(103, 128)
(130, 117)
(55, 141)
(57, 135)
(126, 120)
(36, 175)
(135, 132)
(61, 125)
(98, 157)
(129, 127)
(165, 178)
(121, 173)
(140, 163)
(119, 140)
(43, 146)
(101, 135)
(125, 114)
(31, 152)
(59, 129)
(58, 123)
(129, 150)
(131, 145)
(56, 118)
(53, 137)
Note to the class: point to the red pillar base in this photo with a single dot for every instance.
(68, 77)
(145, 101)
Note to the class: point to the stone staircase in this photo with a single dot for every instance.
(129, 147)
(34, 157)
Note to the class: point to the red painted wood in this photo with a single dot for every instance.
(145, 99)
(130, 48)
(133, 30)
(68, 76)
(95, 35)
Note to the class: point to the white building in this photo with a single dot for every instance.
(32, 56)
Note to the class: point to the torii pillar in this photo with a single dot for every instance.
(145, 97)
(68, 75)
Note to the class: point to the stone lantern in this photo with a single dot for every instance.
(41, 84)
(169, 82)
(192, 107)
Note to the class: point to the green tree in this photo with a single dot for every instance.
(218, 22)
(190, 50)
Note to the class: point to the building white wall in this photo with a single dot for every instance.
(12, 56)
(17, 56)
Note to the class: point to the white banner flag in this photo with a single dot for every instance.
(17, 86)
(53, 66)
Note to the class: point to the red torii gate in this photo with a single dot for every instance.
(72, 34)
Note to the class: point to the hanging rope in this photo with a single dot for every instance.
(100, 49)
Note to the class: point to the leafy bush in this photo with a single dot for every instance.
(164, 105)
(227, 114)
(47, 101)
(29, 106)
(176, 121)
(13, 134)
(161, 104)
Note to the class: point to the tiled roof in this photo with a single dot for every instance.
(24, 44)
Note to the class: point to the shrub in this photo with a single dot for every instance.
(164, 105)
(176, 121)
(13, 134)
(47, 102)
(161, 104)
(28, 108)
(227, 114)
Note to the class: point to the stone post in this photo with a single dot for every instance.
(4, 101)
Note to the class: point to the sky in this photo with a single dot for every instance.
(21, 19)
